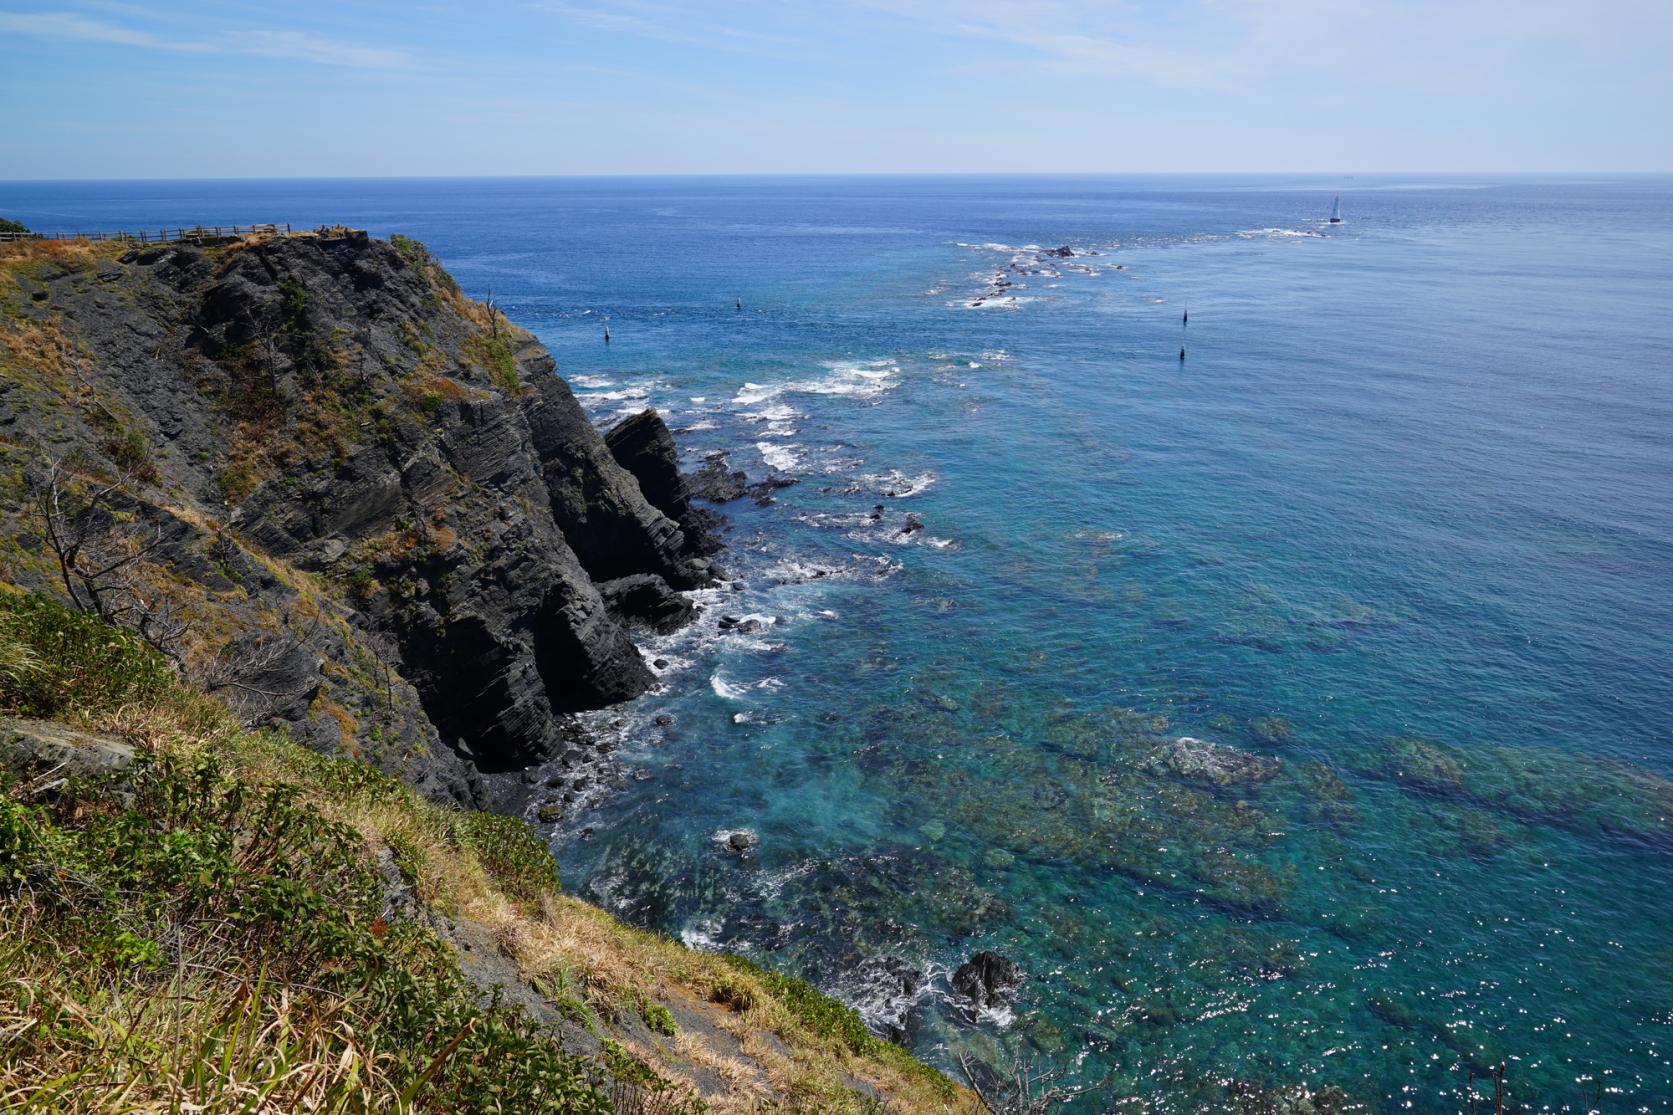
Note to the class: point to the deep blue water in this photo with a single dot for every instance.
(1412, 482)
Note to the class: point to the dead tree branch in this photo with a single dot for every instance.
(1028, 1090)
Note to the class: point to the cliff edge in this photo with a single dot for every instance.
(342, 496)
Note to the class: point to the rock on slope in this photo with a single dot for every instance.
(380, 517)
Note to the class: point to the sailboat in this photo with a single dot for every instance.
(1336, 211)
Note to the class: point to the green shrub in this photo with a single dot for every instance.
(304, 346)
(8, 225)
(63, 660)
(512, 852)
(824, 1017)
(494, 354)
(820, 1014)
(114, 880)
(130, 451)
(411, 250)
(416, 254)
(658, 1018)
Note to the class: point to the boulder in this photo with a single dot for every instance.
(762, 491)
(717, 481)
(1198, 760)
(47, 745)
(886, 994)
(645, 598)
(988, 979)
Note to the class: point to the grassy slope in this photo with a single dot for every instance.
(210, 927)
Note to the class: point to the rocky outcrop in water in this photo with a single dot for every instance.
(372, 492)
(988, 979)
(1199, 760)
(717, 481)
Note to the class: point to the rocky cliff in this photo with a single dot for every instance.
(345, 497)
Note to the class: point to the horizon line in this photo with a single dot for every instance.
(833, 174)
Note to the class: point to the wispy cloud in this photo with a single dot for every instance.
(300, 46)
(1075, 37)
(672, 23)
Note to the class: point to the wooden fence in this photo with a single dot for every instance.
(159, 236)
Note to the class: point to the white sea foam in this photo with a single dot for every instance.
(701, 936)
(853, 377)
(994, 247)
(722, 837)
(859, 378)
(793, 572)
(770, 883)
(592, 381)
(780, 419)
(895, 484)
(781, 457)
(613, 396)
(1278, 233)
(672, 663)
(751, 393)
(724, 690)
(877, 369)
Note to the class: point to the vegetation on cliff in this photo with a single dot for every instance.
(192, 913)
(339, 494)
(296, 544)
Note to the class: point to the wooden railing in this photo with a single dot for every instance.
(158, 236)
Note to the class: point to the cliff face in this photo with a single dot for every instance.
(362, 505)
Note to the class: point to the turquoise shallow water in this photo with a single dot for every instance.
(1400, 522)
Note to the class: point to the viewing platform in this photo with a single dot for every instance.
(195, 234)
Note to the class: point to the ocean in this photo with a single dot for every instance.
(1390, 547)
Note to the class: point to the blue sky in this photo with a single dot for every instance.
(111, 89)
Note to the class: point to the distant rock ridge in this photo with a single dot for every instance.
(346, 456)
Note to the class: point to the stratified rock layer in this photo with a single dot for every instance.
(339, 446)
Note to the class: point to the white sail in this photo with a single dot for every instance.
(1336, 211)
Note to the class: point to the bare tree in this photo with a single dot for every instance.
(103, 561)
(251, 672)
(105, 565)
(1029, 1090)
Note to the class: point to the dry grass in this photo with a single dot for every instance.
(65, 253)
(198, 1041)
(558, 939)
(36, 351)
